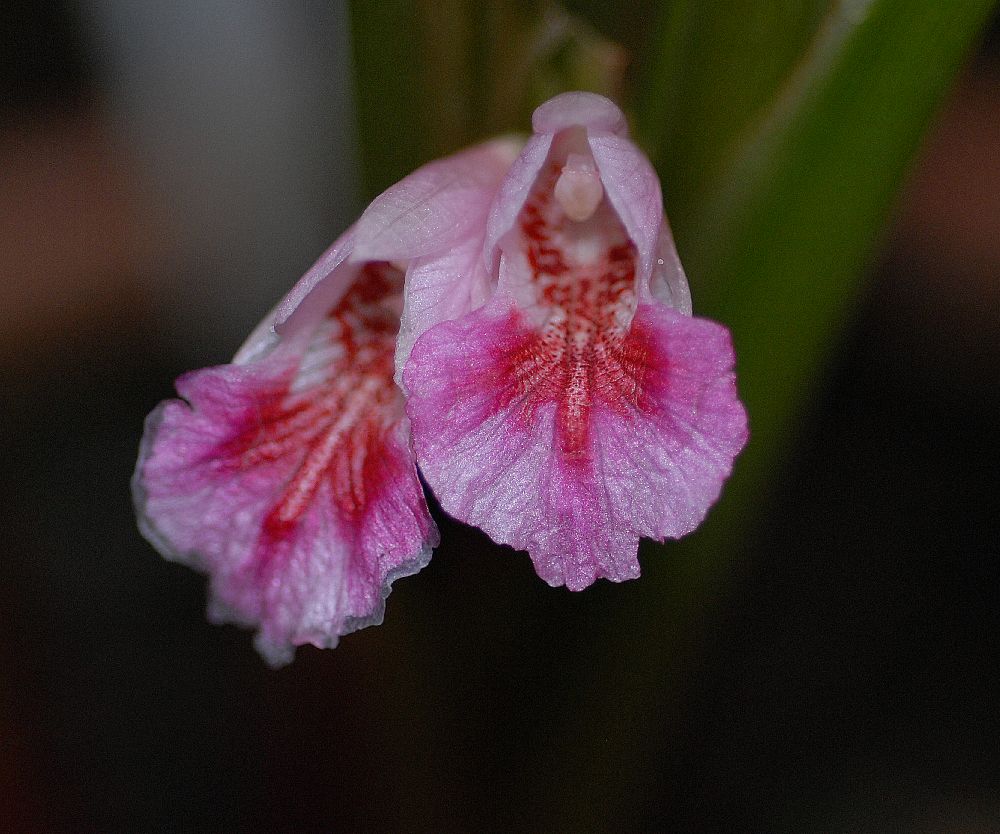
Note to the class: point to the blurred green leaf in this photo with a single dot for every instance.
(435, 75)
(789, 185)
(390, 119)
(782, 132)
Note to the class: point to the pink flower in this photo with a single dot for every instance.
(288, 475)
(581, 407)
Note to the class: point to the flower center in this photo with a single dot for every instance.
(582, 266)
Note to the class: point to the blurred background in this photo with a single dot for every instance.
(822, 657)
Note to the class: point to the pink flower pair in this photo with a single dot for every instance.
(558, 393)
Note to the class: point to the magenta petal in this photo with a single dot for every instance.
(170, 490)
(332, 578)
(290, 479)
(666, 460)
(207, 497)
(581, 408)
(652, 463)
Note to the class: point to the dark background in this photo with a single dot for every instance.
(846, 681)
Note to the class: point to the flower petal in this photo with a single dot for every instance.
(440, 288)
(599, 115)
(322, 295)
(668, 284)
(290, 479)
(629, 180)
(652, 462)
(633, 190)
(315, 285)
(513, 191)
(435, 206)
(581, 408)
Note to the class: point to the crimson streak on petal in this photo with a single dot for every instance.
(298, 470)
(583, 277)
(580, 409)
(330, 421)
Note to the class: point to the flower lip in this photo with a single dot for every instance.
(581, 407)
(288, 476)
(598, 114)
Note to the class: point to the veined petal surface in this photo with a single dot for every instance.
(290, 479)
(581, 408)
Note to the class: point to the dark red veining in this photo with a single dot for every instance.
(328, 423)
(585, 353)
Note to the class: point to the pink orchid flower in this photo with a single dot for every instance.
(288, 475)
(581, 407)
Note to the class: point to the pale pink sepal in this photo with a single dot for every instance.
(436, 206)
(308, 301)
(513, 191)
(447, 275)
(633, 189)
(668, 283)
(319, 289)
(598, 114)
